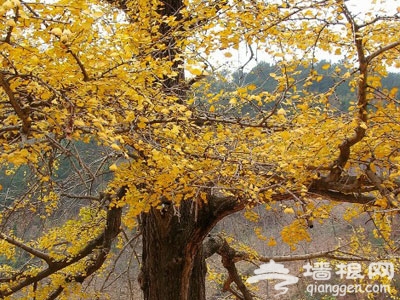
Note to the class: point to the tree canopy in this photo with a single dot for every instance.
(113, 110)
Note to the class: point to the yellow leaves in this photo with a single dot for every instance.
(228, 54)
(56, 31)
(7, 249)
(71, 237)
(128, 51)
(194, 71)
(251, 87)
(273, 75)
(79, 122)
(351, 212)
(258, 232)
(295, 233)
(338, 51)
(326, 66)
(215, 276)
(288, 210)
(363, 125)
(113, 167)
(115, 147)
(233, 101)
(11, 23)
(375, 81)
(18, 158)
(272, 242)
(252, 216)
(208, 136)
(175, 130)
(242, 91)
(142, 122)
(10, 4)
(384, 226)
(281, 112)
(381, 202)
(65, 36)
(393, 92)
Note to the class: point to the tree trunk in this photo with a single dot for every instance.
(173, 263)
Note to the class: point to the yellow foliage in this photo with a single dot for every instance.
(251, 216)
(272, 242)
(295, 233)
(76, 72)
(288, 210)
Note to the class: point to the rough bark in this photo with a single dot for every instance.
(173, 260)
(166, 259)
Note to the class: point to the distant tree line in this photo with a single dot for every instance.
(260, 77)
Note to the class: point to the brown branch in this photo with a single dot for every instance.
(228, 258)
(359, 132)
(341, 197)
(55, 293)
(87, 197)
(80, 64)
(321, 254)
(26, 123)
(30, 250)
(215, 243)
(382, 50)
(8, 128)
(98, 247)
(378, 183)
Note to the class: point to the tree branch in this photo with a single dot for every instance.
(382, 50)
(80, 64)
(26, 124)
(98, 247)
(229, 256)
(30, 250)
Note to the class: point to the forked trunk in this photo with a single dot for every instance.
(173, 263)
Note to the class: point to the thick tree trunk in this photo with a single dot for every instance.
(173, 263)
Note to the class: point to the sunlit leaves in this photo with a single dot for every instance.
(294, 233)
(85, 72)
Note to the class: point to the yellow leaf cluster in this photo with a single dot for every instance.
(295, 233)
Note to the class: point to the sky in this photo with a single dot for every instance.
(390, 6)
(359, 7)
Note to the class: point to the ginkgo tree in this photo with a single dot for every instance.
(111, 122)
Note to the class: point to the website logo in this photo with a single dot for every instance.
(272, 270)
(322, 272)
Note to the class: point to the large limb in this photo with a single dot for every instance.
(336, 183)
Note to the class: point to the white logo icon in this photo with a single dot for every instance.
(272, 270)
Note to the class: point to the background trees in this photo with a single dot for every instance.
(111, 119)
